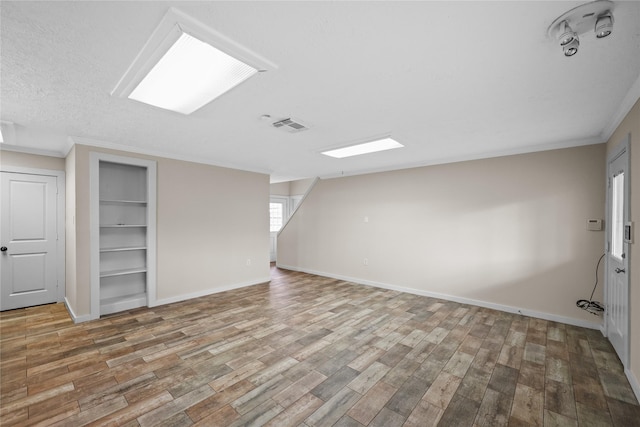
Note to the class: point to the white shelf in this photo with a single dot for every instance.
(113, 273)
(123, 233)
(124, 202)
(121, 225)
(124, 248)
(128, 302)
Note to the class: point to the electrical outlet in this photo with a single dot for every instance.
(366, 261)
(248, 262)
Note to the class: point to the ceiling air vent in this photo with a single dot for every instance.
(289, 125)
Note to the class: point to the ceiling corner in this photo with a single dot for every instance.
(627, 104)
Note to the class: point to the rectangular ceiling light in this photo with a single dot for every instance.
(185, 64)
(367, 147)
(190, 75)
(7, 133)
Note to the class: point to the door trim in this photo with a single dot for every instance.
(273, 235)
(623, 147)
(60, 223)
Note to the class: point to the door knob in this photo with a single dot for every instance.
(619, 270)
(3, 249)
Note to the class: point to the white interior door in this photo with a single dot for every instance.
(278, 212)
(617, 285)
(28, 239)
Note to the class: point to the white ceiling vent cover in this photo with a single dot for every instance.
(290, 125)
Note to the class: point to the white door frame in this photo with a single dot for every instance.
(95, 157)
(60, 224)
(623, 148)
(273, 235)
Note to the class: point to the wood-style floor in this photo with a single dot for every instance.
(308, 351)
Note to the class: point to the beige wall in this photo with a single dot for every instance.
(509, 231)
(300, 187)
(24, 160)
(211, 220)
(80, 291)
(291, 188)
(631, 125)
(279, 189)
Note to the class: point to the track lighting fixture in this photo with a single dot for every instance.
(567, 35)
(571, 48)
(604, 26)
(568, 39)
(596, 16)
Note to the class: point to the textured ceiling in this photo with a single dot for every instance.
(449, 80)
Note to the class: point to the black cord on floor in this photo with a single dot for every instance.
(593, 307)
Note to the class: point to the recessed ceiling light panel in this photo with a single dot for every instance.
(191, 74)
(7, 133)
(185, 65)
(365, 148)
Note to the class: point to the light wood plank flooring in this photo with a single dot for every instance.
(308, 351)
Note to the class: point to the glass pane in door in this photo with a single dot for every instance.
(617, 216)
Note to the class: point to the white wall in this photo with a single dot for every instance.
(509, 231)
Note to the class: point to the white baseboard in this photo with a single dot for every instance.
(633, 381)
(177, 298)
(123, 304)
(206, 292)
(462, 300)
(74, 317)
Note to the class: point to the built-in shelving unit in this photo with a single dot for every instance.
(123, 262)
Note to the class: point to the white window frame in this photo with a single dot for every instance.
(285, 210)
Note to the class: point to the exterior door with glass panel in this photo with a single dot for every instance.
(618, 239)
(28, 240)
(278, 209)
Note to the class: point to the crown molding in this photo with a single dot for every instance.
(476, 156)
(29, 150)
(91, 142)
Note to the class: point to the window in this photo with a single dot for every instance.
(276, 214)
(617, 216)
